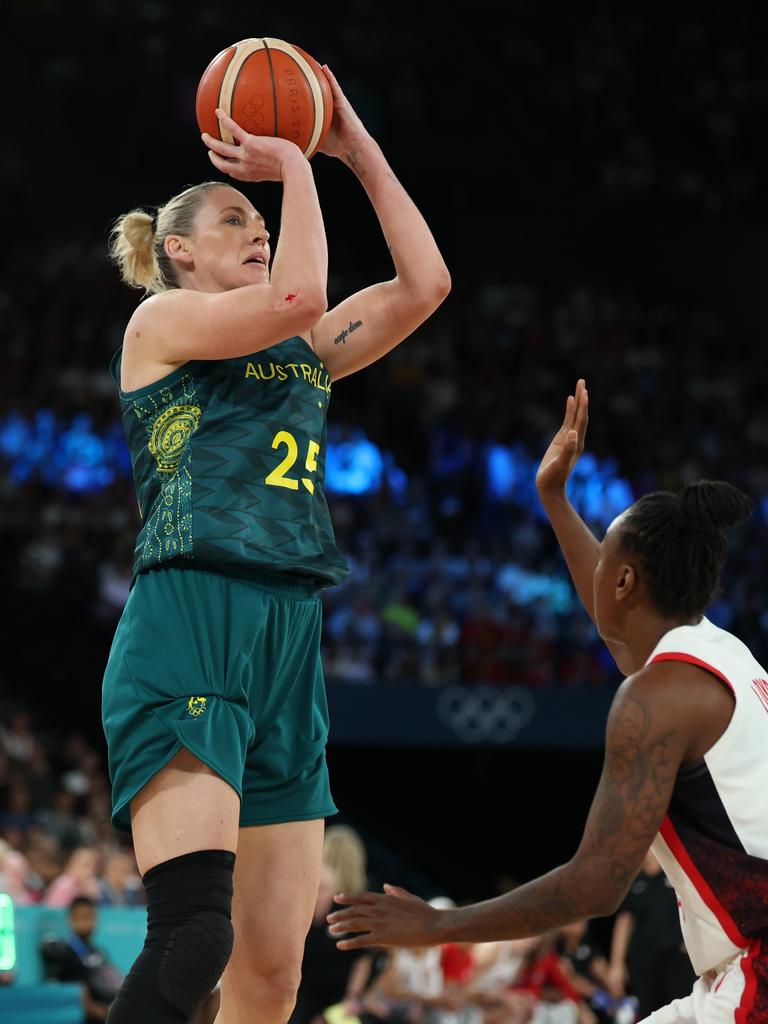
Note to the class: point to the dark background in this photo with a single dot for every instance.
(552, 147)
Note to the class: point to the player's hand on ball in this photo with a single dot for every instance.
(254, 158)
(347, 130)
(392, 918)
(567, 444)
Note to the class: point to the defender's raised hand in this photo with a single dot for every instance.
(567, 444)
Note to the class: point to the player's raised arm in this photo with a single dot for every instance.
(367, 325)
(211, 264)
(580, 547)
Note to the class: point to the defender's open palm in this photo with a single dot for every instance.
(567, 444)
(394, 918)
(252, 157)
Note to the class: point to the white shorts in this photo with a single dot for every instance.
(716, 1001)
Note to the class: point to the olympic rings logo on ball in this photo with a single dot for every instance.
(170, 433)
(485, 714)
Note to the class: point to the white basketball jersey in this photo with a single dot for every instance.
(713, 843)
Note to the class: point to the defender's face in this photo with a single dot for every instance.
(231, 242)
(607, 584)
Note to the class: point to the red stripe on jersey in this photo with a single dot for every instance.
(744, 1009)
(760, 686)
(675, 844)
(691, 660)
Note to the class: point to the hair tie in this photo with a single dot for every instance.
(154, 221)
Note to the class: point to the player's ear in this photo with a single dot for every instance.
(178, 248)
(626, 582)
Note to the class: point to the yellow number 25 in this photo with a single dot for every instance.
(277, 477)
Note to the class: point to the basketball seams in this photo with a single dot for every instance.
(314, 88)
(272, 79)
(243, 51)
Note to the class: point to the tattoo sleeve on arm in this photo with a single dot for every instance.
(644, 749)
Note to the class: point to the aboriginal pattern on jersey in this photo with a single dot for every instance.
(229, 465)
(738, 880)
(170, 417)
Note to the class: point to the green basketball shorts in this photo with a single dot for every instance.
(229, 669)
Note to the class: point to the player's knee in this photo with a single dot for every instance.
(272, 983)
(278, 994)
(194, 957)
(189, 940)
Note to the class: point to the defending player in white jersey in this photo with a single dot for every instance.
(686, 758)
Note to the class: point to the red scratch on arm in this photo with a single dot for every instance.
(290, 296)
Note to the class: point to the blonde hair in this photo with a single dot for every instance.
(344, 853)
(136, 241)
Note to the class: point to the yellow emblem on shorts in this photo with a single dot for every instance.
(170, 433)
(197, 706)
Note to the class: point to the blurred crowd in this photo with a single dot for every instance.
(56, 838)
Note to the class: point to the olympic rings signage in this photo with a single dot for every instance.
(485, 714)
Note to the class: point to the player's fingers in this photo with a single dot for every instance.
(582, 416)
(363, 897)
(361, 942)
(222, 148)
(220, 162)
(568, 416)
(397, 890)
(237, 132)
(354, 923)
(335, 87)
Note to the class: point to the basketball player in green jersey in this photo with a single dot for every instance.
(214, 706)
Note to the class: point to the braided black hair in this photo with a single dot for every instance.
(680, 541)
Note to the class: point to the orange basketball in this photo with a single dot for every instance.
(270, 88)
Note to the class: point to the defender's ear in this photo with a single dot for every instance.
(626, 582)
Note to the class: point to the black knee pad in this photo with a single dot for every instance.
(189, 940)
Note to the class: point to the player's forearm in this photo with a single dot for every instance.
(580, 548)
(570, 893)
(420, 267)
(300, 264)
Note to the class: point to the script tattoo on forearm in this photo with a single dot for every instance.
(631, 800)
(341, 339)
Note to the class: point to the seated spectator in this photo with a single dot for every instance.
(14, 876)
(79, 878)
(588, 971)
(344, 853)
(77, 959)
(497, 966)
(543, 979)
(411, 990)
(119, 884)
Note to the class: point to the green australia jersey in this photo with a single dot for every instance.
(229, 464)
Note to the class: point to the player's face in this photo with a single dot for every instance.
(231, 242)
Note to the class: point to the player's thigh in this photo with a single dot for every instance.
(185, 807)
(277, 877)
